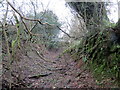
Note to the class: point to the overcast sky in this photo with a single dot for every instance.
(113, 14)
(59, 8)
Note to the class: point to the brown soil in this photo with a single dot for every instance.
(58, 72)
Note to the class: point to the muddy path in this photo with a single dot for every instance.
(54, 72)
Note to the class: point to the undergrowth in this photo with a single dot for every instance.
(101, 55)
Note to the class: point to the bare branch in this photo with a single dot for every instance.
(7, 44)
(34, 26)
(37, 20)
(64, 32)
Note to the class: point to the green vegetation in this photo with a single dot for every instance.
(100, 54)
(99, 48)
(93, 13)
(49, 33)
(92, 38)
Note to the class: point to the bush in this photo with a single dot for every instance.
(101, 55)
(52, 45)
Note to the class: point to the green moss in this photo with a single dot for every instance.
(102, 55)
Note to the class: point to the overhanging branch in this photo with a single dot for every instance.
(37, 20)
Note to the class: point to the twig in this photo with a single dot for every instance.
(33, 27)
(38, 53)
(38, 20)
(39, 75)
(80, 73)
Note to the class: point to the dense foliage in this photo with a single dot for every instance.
(93, 13)
(99, 49)
(34, 38)
(101, 54)
(49, 33)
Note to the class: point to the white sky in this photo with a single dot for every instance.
(113, 14)
(59, 8)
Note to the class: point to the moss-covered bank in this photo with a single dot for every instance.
(101, 55)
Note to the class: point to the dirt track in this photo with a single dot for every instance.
(58, 72)
(32, 71)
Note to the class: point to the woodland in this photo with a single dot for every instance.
(36, 52)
